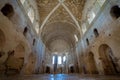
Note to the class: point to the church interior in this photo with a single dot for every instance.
(59, 39)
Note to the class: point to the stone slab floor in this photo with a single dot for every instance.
(61, 77)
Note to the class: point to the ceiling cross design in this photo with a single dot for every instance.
(61, 3)
(60, 23)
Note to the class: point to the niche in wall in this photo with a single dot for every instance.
(8, 10)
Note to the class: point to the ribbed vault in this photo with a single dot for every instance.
(60, 23)
(59, 36)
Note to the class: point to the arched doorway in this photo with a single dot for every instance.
(107, 59)
(91, 64)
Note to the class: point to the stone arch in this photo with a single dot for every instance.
(2, 38)
(30, 66)
(8, 10)
(115, 11)
(13, 64)
(108, 64)
(90, 64)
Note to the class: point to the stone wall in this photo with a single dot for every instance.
(20, 47)
(108, 34)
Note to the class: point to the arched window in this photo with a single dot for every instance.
(53, 60)
(25, 31)
(76, 38)
(59, 60)
(91, 16)
(101, 2)
(22, 1)
(34, 42)
(7, 10)
(87, 41)
(115, 11)
(31, 14)
(37, 27)
(84, 28)
(96, 32)
(64, 58)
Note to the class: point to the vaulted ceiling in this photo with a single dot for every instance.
(46, 6)
(60, 21)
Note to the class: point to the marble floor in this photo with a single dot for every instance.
(61, 77)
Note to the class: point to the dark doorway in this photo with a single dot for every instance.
(72, 69)
(47, 69)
